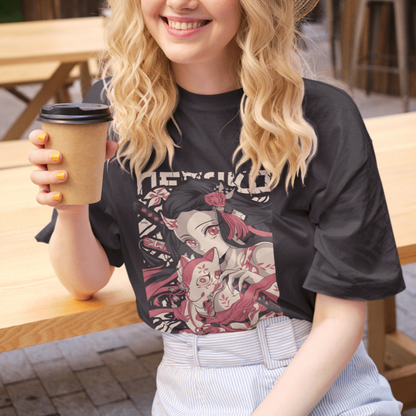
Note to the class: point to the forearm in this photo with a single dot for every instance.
(321, 359)
(76, 256)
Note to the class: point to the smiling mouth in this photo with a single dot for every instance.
(185, 25)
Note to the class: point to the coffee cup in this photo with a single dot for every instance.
(79, 132)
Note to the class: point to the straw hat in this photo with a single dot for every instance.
(303, 7)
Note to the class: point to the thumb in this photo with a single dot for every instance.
(111, 149)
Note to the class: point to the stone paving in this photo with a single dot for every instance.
(109, 373)
(112, 373)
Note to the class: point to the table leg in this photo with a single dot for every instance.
(49, 89)
(18, 94)
(85, 78)
(376, 332)
(62, 96)
(402, 382)
(393, 352)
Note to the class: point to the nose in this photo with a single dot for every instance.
(182, 5)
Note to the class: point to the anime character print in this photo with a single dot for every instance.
(207, 253)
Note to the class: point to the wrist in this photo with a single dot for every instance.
(70, 211)
(74, 217)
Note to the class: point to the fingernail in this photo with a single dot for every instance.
(60, 175)
(42, 137)
(55, 156)
(57, 197)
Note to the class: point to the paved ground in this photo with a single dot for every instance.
(112, 373)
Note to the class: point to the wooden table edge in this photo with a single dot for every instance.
(61, 327)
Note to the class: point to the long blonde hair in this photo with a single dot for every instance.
(143, 93)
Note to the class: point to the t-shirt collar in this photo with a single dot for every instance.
(226, 99)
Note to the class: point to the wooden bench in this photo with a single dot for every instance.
(13, 76)
(36, 308)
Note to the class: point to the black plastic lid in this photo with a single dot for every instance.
(69, 113)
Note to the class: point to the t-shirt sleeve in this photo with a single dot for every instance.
(356, 256)
(103, 221)
(105, 226)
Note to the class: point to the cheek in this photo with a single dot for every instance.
(145, 6)
(230, 13)
(149, 6)
(150, 11)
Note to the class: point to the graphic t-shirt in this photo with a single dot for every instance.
(204, 255)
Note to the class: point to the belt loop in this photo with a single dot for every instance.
(261, 331)
(195, 350)
(279, 332)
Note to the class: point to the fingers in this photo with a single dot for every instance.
(240, 283)
(224, 274)
(43, 177)
(41, 157)
(39, 138)
(45, 197)
(232, 275)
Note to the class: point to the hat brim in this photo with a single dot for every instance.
(304, 7)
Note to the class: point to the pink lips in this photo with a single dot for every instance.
(183, 32)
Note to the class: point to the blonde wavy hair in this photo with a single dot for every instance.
(143, 92)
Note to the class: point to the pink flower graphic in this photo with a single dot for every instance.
(215, 199)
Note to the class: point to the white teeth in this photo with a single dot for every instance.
(183, 25)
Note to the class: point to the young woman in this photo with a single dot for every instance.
(246, 205)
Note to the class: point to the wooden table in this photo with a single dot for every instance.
(67, 41)
(394, 353)
(36, 308)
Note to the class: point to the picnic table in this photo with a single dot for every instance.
(53, 47)
(36, 308)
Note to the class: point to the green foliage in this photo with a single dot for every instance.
(10, 11)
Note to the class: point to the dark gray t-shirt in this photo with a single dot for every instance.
(205, 256)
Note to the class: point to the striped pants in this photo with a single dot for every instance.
(230, 374)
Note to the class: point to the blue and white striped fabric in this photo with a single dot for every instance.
(229, 374)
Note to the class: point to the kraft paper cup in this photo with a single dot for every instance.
(79, 132)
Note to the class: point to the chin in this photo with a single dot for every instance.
(185, 55)
(182, 60)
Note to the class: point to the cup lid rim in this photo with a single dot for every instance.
(75, 113)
